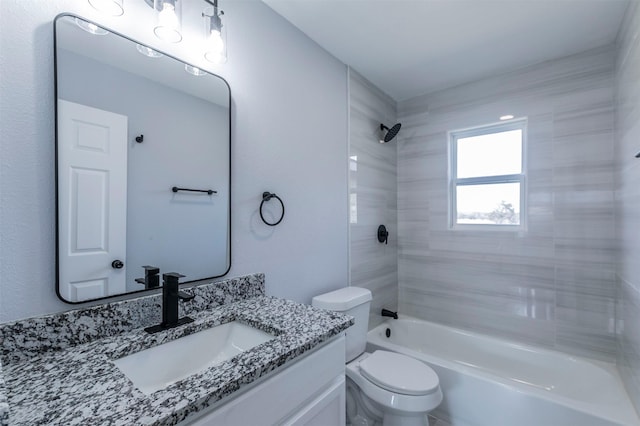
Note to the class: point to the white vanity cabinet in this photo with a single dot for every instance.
(308, 391)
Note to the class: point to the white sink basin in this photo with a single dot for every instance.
(156, 368)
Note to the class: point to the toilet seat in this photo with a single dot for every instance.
(390, 400)
(399, 373)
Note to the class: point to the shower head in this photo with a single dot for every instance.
(390, 132)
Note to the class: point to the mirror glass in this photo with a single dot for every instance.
(142, 165)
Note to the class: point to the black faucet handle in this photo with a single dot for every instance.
(151, 270)
(173, 275)
(151, 279)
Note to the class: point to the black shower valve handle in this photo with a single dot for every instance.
(383, 234)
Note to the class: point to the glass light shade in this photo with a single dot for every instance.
(90, 27)
(169, 21)
(108, 7)
(215, 35)
(147, 51)
(193, 70)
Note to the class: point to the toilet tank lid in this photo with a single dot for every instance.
(342, 299)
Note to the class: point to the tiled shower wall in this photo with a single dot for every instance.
(552, 285)
(627, 203)
(372, 195)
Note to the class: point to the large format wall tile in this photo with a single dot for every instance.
(373, 195)
(553, 283)
(627, 201)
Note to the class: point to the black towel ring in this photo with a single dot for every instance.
(266, 196)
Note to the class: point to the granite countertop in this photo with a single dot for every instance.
(80, 385)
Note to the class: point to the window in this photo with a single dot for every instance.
(488, 176)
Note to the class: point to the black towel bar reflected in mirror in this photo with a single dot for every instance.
(208, 191)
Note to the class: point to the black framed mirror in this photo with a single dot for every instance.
(143, 165)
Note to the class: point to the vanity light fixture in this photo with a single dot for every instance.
(168, 25)
(215, 34)
(108, 7)
(90, 27)
(147, 51)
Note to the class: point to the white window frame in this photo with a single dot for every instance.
(454, 181)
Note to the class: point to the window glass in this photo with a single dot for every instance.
(491, 154)
(491, 204)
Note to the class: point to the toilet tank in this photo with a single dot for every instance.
(354, 301)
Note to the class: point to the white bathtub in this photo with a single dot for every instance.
(491, 382)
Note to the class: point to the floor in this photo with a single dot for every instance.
(437, 422)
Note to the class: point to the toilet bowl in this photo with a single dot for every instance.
(383, 388)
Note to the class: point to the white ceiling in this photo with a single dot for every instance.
(411, 47)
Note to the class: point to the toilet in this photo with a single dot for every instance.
(383, 388)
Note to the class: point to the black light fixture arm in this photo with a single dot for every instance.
(215, 18)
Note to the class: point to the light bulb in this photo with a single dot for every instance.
(215, 33)
(215, 42)
(168, 28)
(215, 58)
(215, 51)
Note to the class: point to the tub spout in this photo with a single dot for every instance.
(388, 313)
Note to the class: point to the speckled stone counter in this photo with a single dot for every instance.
(4, 405)
(23, 339)
(78, 384)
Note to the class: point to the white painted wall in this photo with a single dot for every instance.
(289, 127)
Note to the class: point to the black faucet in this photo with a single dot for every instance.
(170, 296)
(388, 313)
(151, 278)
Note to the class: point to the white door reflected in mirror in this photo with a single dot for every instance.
(92, 182)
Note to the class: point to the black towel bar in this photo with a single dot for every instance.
(208, 191)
